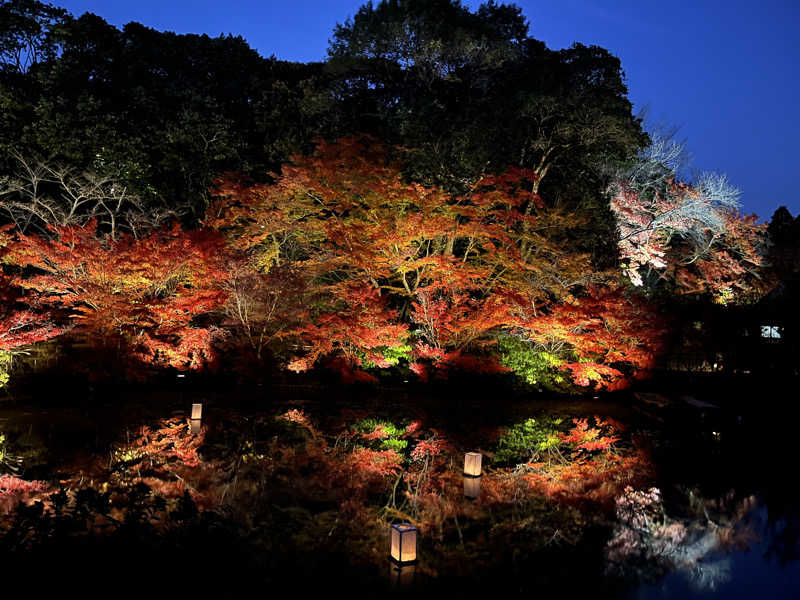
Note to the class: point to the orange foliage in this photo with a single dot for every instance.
(590, 481)
(389, 264)
(608, 331)
(144, 292)
(23, 320)
(587, 438)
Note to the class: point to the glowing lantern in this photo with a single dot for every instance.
(195, 425)
(197, 411)
(403, 543)
(472, 464)
(472, 487)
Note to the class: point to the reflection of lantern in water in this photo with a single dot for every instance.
(472, 487)
(197, 415)
(472, 464)
(403, 543)
(402, 575)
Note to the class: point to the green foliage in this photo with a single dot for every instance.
(21, 444)
(370, 424)
(528, 440)
(535, 367)
(9, 462)
(394, 444)
(385, 435)
(392, 355)
(5, 367)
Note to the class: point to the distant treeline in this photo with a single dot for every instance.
(464, 93)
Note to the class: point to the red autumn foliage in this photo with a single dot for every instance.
(142, 292)
(388, 264)
(23, 320)
(587, 438)
(342, 262)
(20, 327)
(608, 331)
(686, 236)
(374, 464)
(586, 482)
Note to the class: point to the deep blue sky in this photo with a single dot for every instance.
(723, 71)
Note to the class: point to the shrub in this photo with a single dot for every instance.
(529, 440)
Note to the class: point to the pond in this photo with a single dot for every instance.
(640, 496)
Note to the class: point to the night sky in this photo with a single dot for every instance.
(723, 71)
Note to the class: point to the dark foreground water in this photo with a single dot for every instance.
(721, 518)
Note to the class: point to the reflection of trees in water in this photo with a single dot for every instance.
(782, 529)
(648, 543)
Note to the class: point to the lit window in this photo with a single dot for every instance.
(770, 332)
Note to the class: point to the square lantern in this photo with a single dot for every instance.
(195, 425)
(403, 543)
(197, 411)
(472, 487)
(472, 464)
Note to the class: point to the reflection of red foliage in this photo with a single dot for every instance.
(371, 464)
(166, 458)
(587, 438)
(14, 490)
(171, 441)
(298, 416)
(591, 481)
(427, 449)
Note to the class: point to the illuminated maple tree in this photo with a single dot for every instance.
(23, 321)
(143, 293)
(690, 235)
(604, 337)
(733, 268)
(391, 265)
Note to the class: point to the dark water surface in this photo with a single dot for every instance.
(726, 482)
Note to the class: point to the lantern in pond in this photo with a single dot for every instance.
(472, 487)
(195, 425)
(402, 576)
(197, 411)
(472, 464)
(403, 547)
